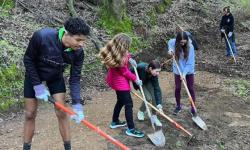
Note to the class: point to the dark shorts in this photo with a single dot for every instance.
(55, 86)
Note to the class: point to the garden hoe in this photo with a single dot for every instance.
(157, 137)
(198, 121)
(230, 47)
(89, 125)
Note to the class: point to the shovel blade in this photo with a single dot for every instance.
(157, 138)
(199, 122)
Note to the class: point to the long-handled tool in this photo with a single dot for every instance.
(195, 117)
(165, 116)
(89, 125)
(230, 47)
(157, 137)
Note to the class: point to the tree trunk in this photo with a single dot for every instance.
(119, 8)
(94, 39)
(70, 5)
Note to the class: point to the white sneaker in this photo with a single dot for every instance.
(156, 121)
(140, 115)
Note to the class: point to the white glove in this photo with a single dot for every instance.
(171, 52)
(222, 30)
(132, 62)
(159, 106)
(230, 34)
(79, 116)
(138, 82)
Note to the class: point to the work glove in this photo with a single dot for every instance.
(138, 82)
(230, 34)
(171, 52)
(79, 116)
(159, 106)
(132, 62)
(222, 30)
(41, 92)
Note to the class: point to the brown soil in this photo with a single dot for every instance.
(226, 116)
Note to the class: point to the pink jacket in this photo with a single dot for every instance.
(118, 78)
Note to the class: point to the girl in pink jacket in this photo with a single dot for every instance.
(116, 57)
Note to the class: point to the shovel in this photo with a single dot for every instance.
(157, 137)
(198, 121)
(165, 116)
(230, 47)
(89, 125)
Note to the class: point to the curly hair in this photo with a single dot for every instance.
(115, 52)
(76, 26)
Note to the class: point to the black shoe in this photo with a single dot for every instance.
(177, 110)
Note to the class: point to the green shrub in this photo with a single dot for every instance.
(5, 6)
(161, 8)
(11, 85)
(242, 88)
(113, 26)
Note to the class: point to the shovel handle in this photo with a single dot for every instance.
(185, 85)
(90, 125)
(165, 116)
(144, 99)
(229, 46)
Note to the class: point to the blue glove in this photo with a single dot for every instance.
(230, 34)
(132, 62)
(138, 82)
(79, 116)
(41, 92)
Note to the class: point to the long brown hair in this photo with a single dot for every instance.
(179, 48)
(114, 54)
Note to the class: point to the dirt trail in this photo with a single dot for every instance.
(227, 117)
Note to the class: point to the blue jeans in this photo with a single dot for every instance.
(233, 46)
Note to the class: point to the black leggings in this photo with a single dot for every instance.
(124, 98)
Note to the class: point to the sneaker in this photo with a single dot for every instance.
(140, 115)
(177, 110)
(118, 124)
(134, 133)
(156, 121)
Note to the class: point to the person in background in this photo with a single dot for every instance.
(227, 29)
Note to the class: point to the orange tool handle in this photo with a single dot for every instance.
(165, 116)
(89, 125)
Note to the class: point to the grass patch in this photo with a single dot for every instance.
(5, 6)
(152, 16)
(161, 8)
(11, 85)
(113, 26)
(11, 76)
(241, 88)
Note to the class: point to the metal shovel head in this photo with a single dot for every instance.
(199, 122)
(157, 138)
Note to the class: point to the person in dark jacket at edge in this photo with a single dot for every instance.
(149, 73)
(48, 52)
(227, 27)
